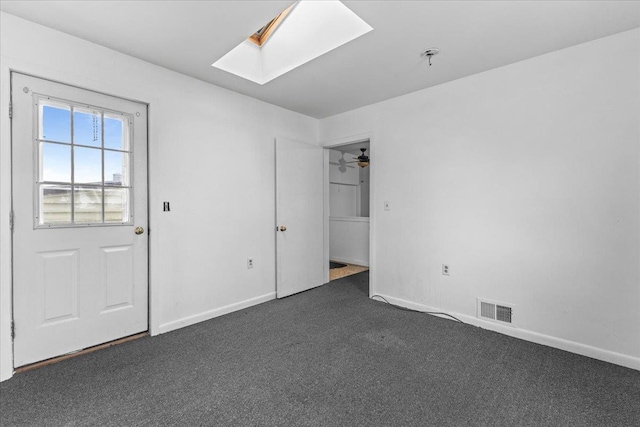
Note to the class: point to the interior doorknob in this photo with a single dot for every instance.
(138, 230)
(283, 228)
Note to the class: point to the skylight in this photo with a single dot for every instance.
(311, 29)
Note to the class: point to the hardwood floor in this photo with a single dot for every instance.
(348, 270)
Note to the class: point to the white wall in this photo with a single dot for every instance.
(349, 187)
(342, 186)
(211, 154)
(528, 185)
(347, 176)
(349, 240)
(342, 199)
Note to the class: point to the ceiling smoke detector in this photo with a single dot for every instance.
(429, 53)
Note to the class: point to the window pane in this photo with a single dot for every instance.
(55, 122)
(116, 133)
(116, 168)
(55, 204)
(87, 165)
(88, 204)
(55, 162)
(116, 205)
(87, 128)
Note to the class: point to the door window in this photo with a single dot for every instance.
(84, 165)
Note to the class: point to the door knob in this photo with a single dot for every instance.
(283, 228)
(138, 230)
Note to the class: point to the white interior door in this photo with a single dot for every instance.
(299, 217)
(79, 195)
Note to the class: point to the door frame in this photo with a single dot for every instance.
(373, 200)
(7, 367)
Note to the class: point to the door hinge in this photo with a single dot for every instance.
(13, 329)
(11, 220)
(10, 109)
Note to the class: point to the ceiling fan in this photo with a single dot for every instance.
(362, 160)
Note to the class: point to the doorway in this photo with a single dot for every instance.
(79, 204)
(348, 181)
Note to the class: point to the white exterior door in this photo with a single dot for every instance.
(79, 193)
(299, 217)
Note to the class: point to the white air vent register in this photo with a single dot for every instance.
(495, 311)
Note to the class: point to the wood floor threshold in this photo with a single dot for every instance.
(53, 360)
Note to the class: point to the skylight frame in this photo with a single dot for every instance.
(299, 39)
(261, 36)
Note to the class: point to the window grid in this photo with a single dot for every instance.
(126, 149)
(73, 167)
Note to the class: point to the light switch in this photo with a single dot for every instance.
(387, 206)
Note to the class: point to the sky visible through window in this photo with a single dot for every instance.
(87, 128)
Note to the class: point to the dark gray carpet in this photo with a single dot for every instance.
(329, 356)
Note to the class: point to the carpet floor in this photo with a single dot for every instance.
(325, 357)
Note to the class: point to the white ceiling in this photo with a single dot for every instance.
(188, 36)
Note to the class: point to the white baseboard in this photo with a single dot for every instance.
(559, 343)
(201, 317)
(351, 261)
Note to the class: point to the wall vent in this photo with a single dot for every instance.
(487, 310)
(503, 313)
(497, 312)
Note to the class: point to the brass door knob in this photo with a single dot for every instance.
(138, 230)
(283, 228)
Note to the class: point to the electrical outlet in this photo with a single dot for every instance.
(446, 270)
(249, 262)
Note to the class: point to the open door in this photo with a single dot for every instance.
(299, 217)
